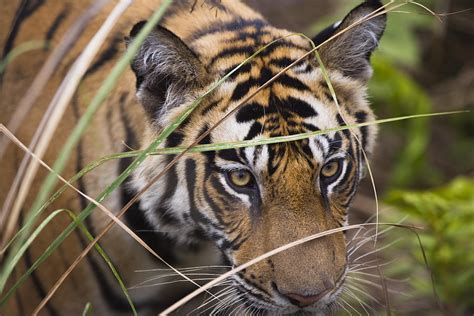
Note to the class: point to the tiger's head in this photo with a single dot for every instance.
(251, 200)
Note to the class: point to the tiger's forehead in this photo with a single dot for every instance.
(297, 101)
(234, 42)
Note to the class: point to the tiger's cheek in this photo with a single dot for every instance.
(223, 216)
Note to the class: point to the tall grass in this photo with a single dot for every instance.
(23, 239)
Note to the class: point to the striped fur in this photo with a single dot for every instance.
(195, 215)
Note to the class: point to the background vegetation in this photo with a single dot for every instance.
(423, 168)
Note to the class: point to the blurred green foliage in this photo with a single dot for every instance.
(397, 94)
(394, 92)
(447, 213)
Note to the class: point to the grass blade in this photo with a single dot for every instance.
(87, 309)
(72, 140)
(51, 64)
(21, 49)
(23, 247)
(268, 254)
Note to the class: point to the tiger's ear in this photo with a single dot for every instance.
(167, 71)
(350, 52)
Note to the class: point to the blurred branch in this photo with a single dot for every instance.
(454, 93)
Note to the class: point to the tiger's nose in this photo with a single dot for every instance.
(302, 300)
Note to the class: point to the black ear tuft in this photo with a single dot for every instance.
(167, 71)
(136, 28)
(350, 51)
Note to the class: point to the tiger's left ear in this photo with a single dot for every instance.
(350, 51)
(168, 72)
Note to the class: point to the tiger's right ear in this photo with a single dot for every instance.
(350, 52)
(167, 71)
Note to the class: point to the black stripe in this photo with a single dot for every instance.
(255, 286)
(38, 285)
(34, 277)
(250, 112)
(335, 144)
(229, 154)
(106, 55)
(345, 177)
(245, 68)
(298, 107)
(190, 167)
(288, 108)
(114, 301)
(217, 185)
(236, 24)
(208, 108)
(235, 243)
(361, 117)
(341, 122)
(19, 304)
(248, 50)
(284, 62)
(171, 182)
(217, 211)
(177, 137)
(56, 23)
(245, 35)
(135, 217)
(26, 8)
(159, 242)
(243, 88)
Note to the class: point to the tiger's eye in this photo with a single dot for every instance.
(240, 178)
(330, 169)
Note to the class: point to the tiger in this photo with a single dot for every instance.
(217, 208)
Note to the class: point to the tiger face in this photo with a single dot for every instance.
(251, 200)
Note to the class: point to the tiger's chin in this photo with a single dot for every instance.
(254, 306)
(252, 301)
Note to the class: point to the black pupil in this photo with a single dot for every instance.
(241, 175)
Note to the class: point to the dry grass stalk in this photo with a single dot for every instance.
(43, 135)
(33, 93)
(45, 73)
(114, 218)
(167, 167)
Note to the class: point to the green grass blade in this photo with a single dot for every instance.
(223, 146)
(72, 140)
(289, 138)
(89, 236)
(51, 180)
(91, 166)
(87, 309)
(21, 49)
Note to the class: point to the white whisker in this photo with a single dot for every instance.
(343, 307)
(349, 305)
(186, 269)
(361, 302)
(355, 288)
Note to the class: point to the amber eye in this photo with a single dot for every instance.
(330, 169)
(240, 178)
